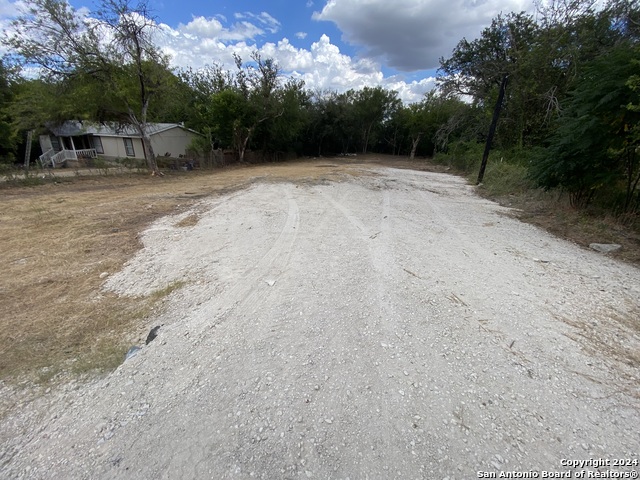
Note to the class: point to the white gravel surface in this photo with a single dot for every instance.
(393, 325)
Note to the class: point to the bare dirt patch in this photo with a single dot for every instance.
(61, 240)
(388, 324)
(552, 212)
(342, 321)
(190, 220)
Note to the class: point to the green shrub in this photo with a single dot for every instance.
(506, 178)
(464, 157)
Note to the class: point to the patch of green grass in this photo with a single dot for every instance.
(168, 290)
(464, 157)
(106, 355)
(46, 374)
(504, 178)
(108, 352)
(188, 221)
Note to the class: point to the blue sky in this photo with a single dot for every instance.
(330, 44)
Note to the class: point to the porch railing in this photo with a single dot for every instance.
(56, 159)
(45, 158)
(86, 153)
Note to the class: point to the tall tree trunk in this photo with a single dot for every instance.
(396, 149)
(242, 141)
(414, 146)
(141, 126)
(243, 148)
(632, 184)
(150, 156)
(367, 132)
(492, 128)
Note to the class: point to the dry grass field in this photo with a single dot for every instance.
(61, 239)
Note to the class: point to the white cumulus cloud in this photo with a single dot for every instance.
(322, 66)
(204, 27)
(263, 18)
(413, 34)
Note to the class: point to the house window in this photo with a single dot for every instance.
(55, 144)
(128, 146)
(97, 144)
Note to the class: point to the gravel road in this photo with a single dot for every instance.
(390, 325)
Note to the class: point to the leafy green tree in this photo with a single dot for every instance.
(8, 132)
(319, 130)
(570, 35)
(175, 104)
(331, 124)
(228, 110)
(203, 110)
(256, 86)
(427, 120)
(283, 132)
(250, 107)
(413, 119)
(459, 122)
(108, 61)
(346, 122)
(595, 147)
(374, 106)
(485, 66)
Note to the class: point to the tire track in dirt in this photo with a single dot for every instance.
(402, 405)
(255, 281)
(368, 356)
(239, 337)
(147, 269)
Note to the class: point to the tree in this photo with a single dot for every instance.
(256, 87)
(227, 110)
(203, 110)
(247, 107)
(342, 111)
(480, 67)
(570, 35)
(373, 105)
(282, 133)
(8, 132)
(458, 122)
(319, 127)
(111, 56)
(413, 120)
(331, 125)
(596, 143)
(632, 144)
(427, 120)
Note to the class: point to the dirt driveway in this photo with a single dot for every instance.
(391, 325)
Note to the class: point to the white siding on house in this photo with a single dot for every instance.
(166, 139)
(114, 147)
(45, 143)
(174, 141)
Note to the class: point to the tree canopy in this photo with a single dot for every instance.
(8, 132)
(107, 63)
(562, 84)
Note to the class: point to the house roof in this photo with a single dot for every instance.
(74, 128)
